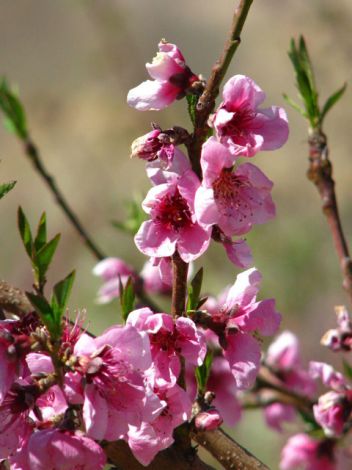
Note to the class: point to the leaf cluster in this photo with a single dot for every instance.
(305, 82)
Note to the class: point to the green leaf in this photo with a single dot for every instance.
(334, 98)
(5, 188)
(127, 298)
(40, 239)
(347, 369)
(194, 290)
(43, 257)
(44, 310)
(294, 105)
(203, 372)
(25, 232)
(135, 217)
(61, 293)
(192, 101)
(15, 118)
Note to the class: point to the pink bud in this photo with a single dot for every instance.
(208, 420)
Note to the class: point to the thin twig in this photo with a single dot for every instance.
(32, 152)
(206, 102)
(179, 285)
(320, 173)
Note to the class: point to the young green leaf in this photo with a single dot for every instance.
(203, 372)
(40, 239)
(294, 105)
(15, 118)
(43, 257)
(192, 101)
(127, 298)
(134, 219)
(25, 232)
(44, 310)
(61, 293)
(347, 369)
(334, 98)
(5, 188)
(194, 290)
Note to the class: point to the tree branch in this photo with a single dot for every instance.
(179, 285)
(228, 452)
(206, 102)
(320, 173)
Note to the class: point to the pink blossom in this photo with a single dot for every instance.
(173, 225)
(51, 449)
(242, 126)
(235, 321)
(112, 271)
(328, 375)
(151, 437)
(171, 79)
(159, 173)
(339, 339)
(15, 343)
(303, 451)
(332, 412)
(155, 145)
(169, 338)
(232, 199)
(157, 276)
(277, 413)
(113, 366)
(208, 420)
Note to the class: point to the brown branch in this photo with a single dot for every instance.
(206, 102)
(228, 452)
(320, 173)
(179, 285)
(32, 153)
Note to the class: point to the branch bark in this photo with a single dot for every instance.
(320, 173)
(179, 285)
(206, 102)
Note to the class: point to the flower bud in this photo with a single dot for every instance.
(208, 420)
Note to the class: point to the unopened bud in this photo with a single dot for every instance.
(208, 420)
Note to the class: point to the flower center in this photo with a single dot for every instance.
(240, 124)
(173, 212)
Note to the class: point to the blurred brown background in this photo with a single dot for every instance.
(74, 62)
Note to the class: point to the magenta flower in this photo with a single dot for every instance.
(235, 322)
(171, 79)
(112, 271)
(232, 199)
(150, 438)
(303, 451)
(332, 412)
(154, 146)
(53, 449)
(242, 126)
(173, 225)
(278, 413)
(169, 338)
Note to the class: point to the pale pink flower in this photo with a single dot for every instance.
(171, 79)
(151, 437)
(304, 452)
(112, 271)
(236, 199)
(169, 338)
(242, 125)
(113, 366)
(332, 412)
(51, 449)
(159, 173)
(173, 225)
(277, 413)
(237, 319)
(208, 420)
(339, 339)
(157, 276)
(153, 146)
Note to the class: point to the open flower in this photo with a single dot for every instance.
(242, 126)
(234, 200)
(171, 78)
(235, 321)
(173, 225)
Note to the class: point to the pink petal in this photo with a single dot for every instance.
(193, 242)
(214, 158)
(242, 92)
(272, 125)
(152, 95)
(238, 252)
(261, 317)
(245, 288)
(155, 241)
(243, 355)
(205, 207)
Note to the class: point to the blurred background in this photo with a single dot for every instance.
(74, 62)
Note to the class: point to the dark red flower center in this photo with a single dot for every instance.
(173, 212)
